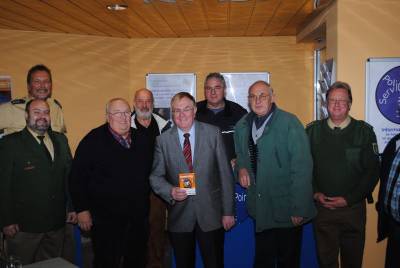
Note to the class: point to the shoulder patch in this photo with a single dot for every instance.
(58, 103)
(313, 123)
(18, 101)
(375, 148)
(366, 124)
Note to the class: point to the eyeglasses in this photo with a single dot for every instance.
(183, 111)
(261, 97)
(121, 114)
(207, 88)
(338, 101)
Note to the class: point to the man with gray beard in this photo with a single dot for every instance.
(152, 125)
(34, 165)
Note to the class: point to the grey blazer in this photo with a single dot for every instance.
(214, 179)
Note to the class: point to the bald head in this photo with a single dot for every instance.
(119, 116)
(143, 103)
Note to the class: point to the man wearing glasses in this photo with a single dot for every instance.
(275, 165)
(192, 173)
(110, 189)
(346, 170)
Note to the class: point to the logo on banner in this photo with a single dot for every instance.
(387, 95)
(241, 210)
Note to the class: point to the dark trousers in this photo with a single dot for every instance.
(211, 247)
(157, 234)
(34, 247)
(119, 243)
(340, 230)
(393, 245)
(278, 248)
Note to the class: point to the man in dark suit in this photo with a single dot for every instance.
(34, 164)
(196, 150)
(110, 189)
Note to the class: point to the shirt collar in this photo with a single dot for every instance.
(35, 135)
(119, 138)
(342, 125)
(191, 131)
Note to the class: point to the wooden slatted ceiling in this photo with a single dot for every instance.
(155, 18)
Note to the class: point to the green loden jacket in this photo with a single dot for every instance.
(282, 186)
(32, 190)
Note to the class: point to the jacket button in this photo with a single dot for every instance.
(259, 195)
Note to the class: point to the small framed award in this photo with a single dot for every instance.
(187, 181)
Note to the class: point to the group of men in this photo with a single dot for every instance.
(124, 184)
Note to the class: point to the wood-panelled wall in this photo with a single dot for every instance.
(88, 70)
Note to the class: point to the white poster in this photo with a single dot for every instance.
(383, 98)
(5, 88)
(165, 86)
(237, 85)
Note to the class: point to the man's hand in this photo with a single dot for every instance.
(296, 220)
(330, 202)
(233, 163)
(11, 230)
(335, 202)
(72, 218)
(228, 222)
(244, 178)
(178, 194)
(320, 198)
(85, 220)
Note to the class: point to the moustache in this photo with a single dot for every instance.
(42, 120)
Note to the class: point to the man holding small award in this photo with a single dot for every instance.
(192, 173)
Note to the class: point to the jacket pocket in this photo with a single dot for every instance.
(278, 160)
(280, 202)
(353, 157)
(281, 208)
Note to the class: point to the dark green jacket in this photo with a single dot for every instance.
(32, 190)
(345, 161)
(284, 171)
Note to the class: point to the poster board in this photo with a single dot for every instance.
(165, 85)
(5, 88)
(237, 85)
(382, 93)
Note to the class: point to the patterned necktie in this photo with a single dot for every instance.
(187, 151)
(44, 148)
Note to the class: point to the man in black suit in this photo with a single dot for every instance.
(34, 164)
(110, 189)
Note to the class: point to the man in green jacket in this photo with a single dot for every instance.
(34, 165)
(346, 170)
(275, 165)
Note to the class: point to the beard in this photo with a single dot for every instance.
(144, 114)
(39, 125)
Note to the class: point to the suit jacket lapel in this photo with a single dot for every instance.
(197, 144)
(56, 146)
(31, 142)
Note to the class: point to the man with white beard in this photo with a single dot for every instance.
(152, 124)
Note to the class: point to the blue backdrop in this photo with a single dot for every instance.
(239, 242)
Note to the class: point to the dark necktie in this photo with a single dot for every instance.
(187, 151)
(44, 148)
